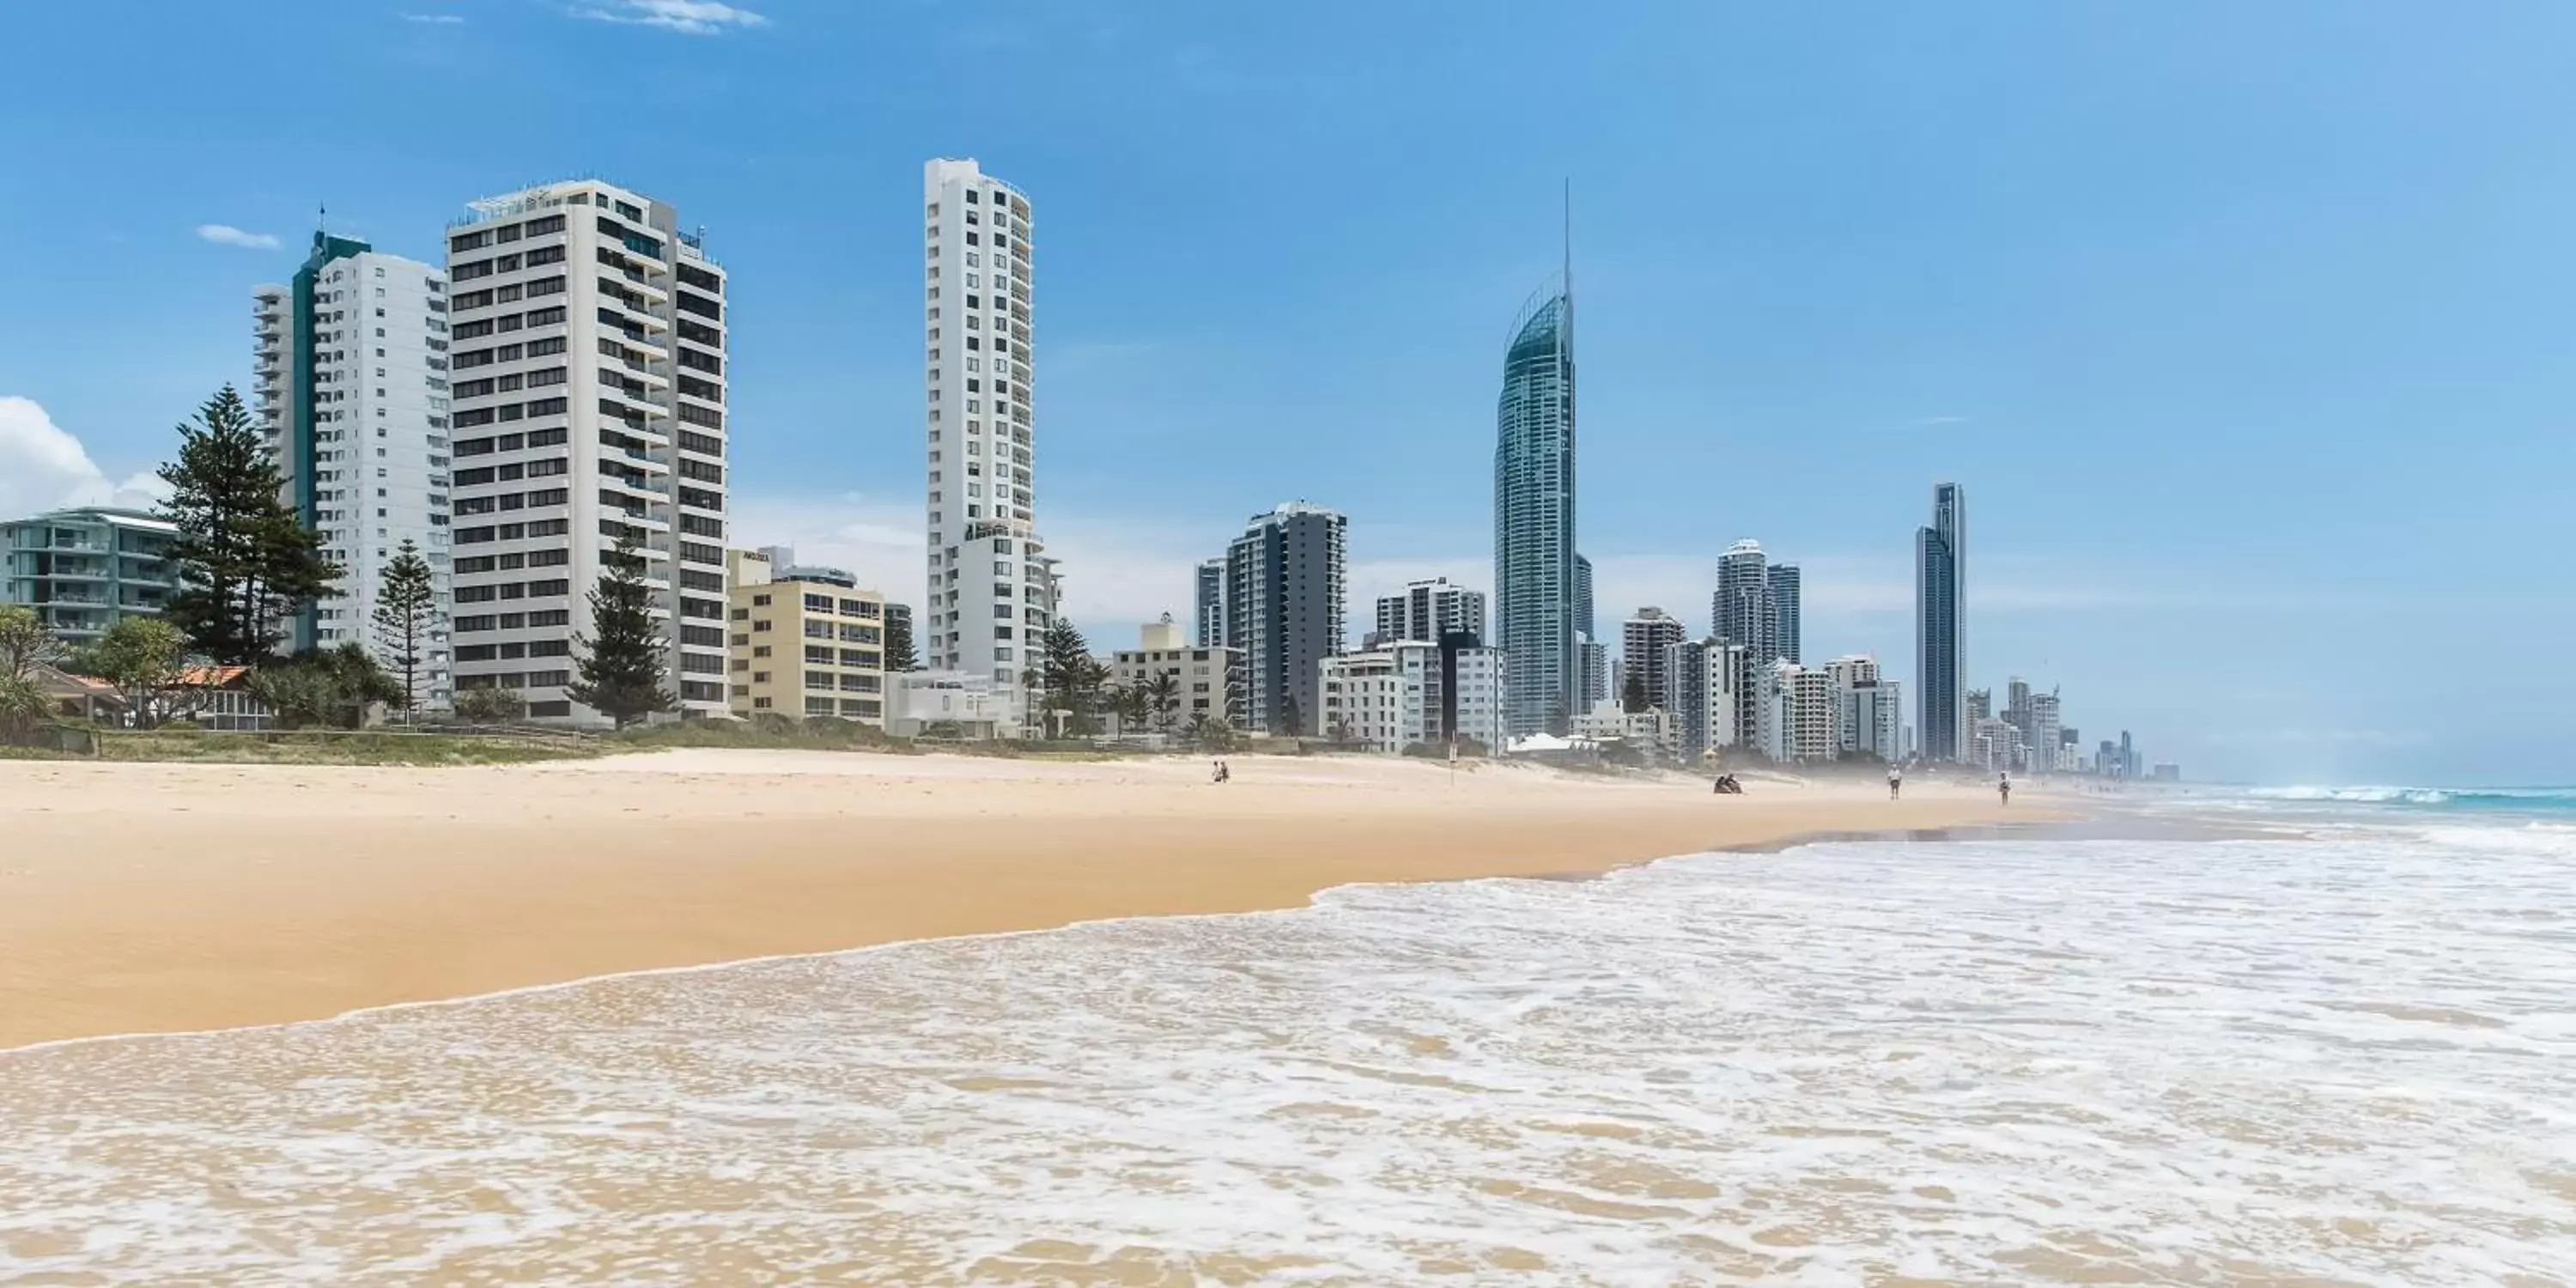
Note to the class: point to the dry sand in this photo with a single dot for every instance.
(139, 898)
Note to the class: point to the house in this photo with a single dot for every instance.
(217, 697)
(80, 697)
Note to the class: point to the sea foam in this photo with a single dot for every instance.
(2350, 1059)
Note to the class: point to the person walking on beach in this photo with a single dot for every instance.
(1895, 781)
(2003, 787)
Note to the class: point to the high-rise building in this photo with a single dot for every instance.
(1593, 683)
(902, 654)
(1868, 708)
(1797, 715)
(2128, 756)
(1708, 699)
(1583, 624)
(992, 588)
(2045, 734)
(590, 404)
(2016, 710)
(1781, 580)
(352, 366)
(82, 569)
(1740, 611)
(1285, 580)
(1208, 604)
(1980, 705)
(1428, 610)
(1643, 640)
(1940, 631)
(1537, 591)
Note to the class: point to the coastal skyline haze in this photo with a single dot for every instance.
(2241, 326)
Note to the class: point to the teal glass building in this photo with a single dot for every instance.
(1536, 584)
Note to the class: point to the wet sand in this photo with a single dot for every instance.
(158, 898)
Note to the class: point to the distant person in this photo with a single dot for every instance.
(1895, 781)
(2003, 787)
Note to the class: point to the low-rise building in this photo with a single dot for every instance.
(81, 569)
(955, 704)
(1650, 731)
(1414, 693)
(1207, 681)
(804, 641)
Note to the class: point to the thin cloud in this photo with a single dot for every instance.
(1935, 422)
(438, 19)
(227, 235)
(687, 17)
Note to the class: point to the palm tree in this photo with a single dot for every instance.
(1162, 700)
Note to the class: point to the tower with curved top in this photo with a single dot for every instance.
(1535, 567)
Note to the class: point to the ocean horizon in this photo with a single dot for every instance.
(2330, 1045)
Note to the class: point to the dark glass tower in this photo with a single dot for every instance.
(1940, 574)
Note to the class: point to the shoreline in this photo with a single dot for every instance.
(171, 899)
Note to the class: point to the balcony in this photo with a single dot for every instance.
(655, 375)
(646, 286)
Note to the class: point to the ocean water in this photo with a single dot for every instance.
(2346, 1057)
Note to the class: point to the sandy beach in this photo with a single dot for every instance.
(158, 898)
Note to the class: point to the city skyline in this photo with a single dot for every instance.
(1943, 349)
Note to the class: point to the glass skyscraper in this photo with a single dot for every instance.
(1940, 572)
(1535, 567)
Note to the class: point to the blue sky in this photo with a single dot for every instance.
(2245, 326)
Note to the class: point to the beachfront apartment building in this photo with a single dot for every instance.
(991, 588)
(589, 343)
(1207, 680)
(1413, 693)
(1207, 603)
(1708, 694)
(2045, 733)
(1740, 610)
(1781, 583)
(1285, 588)
(804, 641)
(1644, 642)
(1429, 610)
(1797, 714)
(82, 568)
(1869, 712)
(351, 384)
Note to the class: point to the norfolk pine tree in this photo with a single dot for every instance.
(245, 560)
(620, 667)
(406, 618)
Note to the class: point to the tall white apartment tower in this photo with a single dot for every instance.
(589, 336)
(991, 586)
(350, 360)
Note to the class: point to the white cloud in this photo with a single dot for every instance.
(42, 467)
(227, 235)
(439, 19)
(688, 17)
